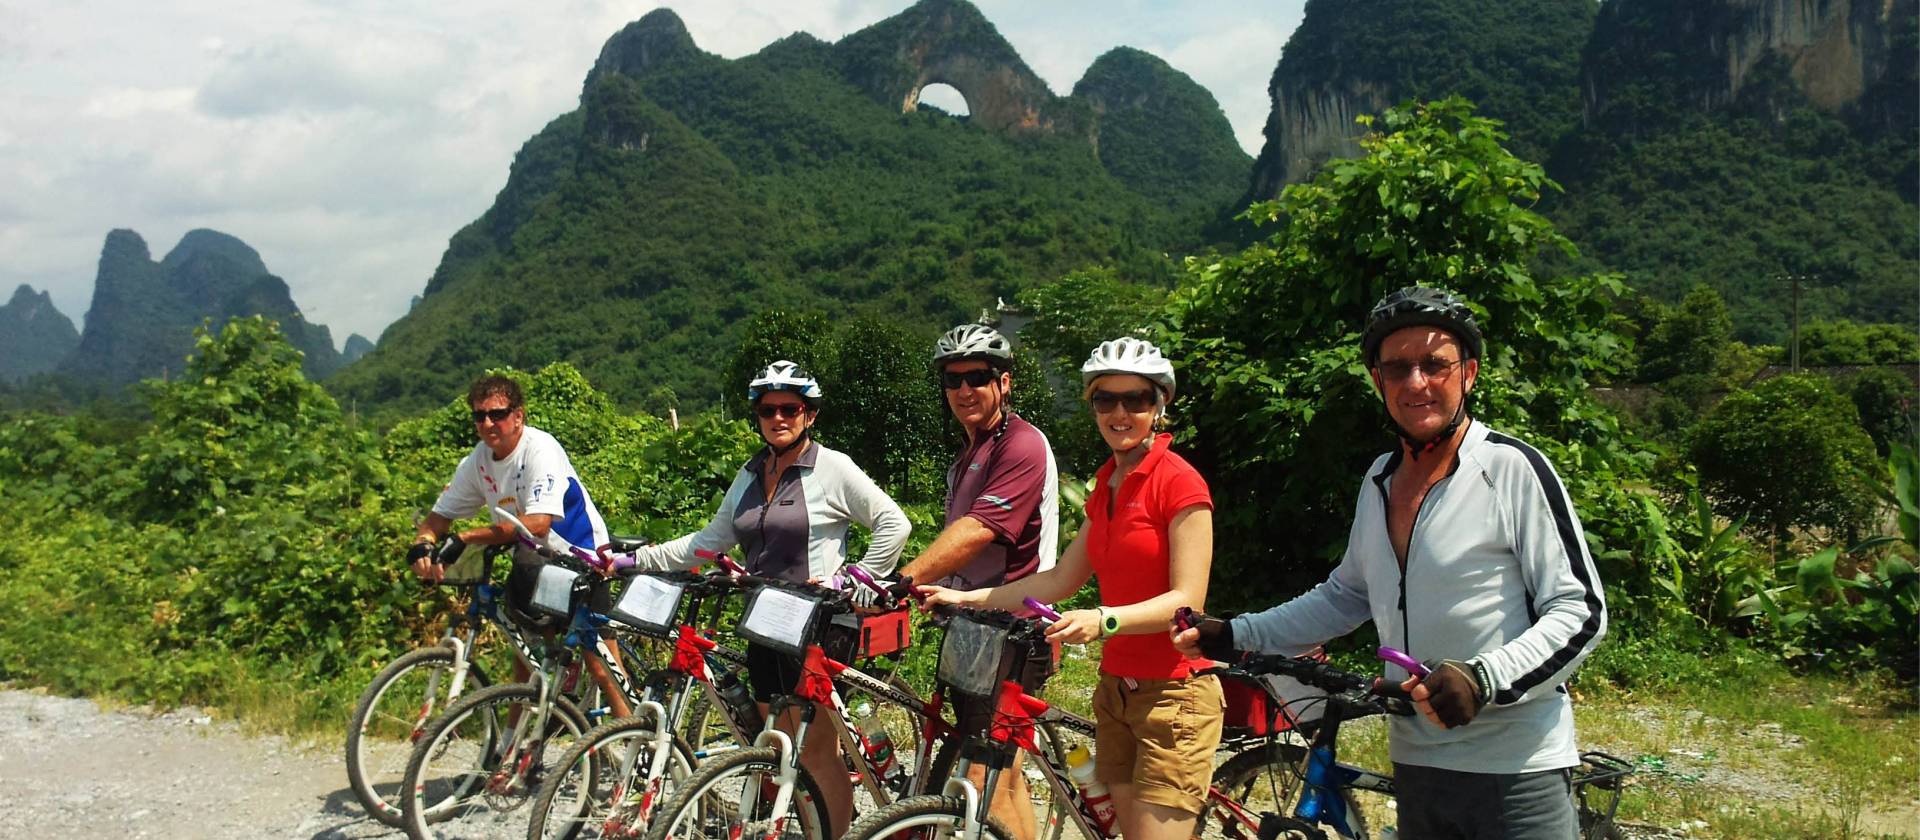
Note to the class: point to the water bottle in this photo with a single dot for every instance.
(879, 747)
(739, 701)
(1099, 802)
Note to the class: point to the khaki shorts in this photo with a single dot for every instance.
(1159, 736)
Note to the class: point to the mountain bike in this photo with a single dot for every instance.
(612, 781)
(397, 705)
(483, 758)
(761, 790)
(1299, 770)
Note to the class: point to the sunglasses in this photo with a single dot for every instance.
(1135, 401)
(972, 379)
(497, 415)
(786, 411)
(1400, 370)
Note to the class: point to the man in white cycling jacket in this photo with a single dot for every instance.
(1465, 552)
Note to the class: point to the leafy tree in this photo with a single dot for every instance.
(1889, 405)
(1843, 342)
(1786, 453)
(1269, 338)
(884, 408)
(241, 421)
(1693, 337)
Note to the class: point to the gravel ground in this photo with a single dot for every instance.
(70, 769)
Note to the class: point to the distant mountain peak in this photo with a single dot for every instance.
(143, 313)
(655, 39)
(34, 336)
(950, 42)
(201, 242)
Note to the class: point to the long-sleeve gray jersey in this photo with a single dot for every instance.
(1496, 569)
(798, 531)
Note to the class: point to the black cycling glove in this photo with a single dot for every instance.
(1216, 638)
(417, 551)
(449, 552)
(1457, 691)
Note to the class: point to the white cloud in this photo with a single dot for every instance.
(346, 141)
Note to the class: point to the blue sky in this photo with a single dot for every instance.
(346, 141)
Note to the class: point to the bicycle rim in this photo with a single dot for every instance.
(602, 789)
(920, 818)
(481, 763)
(391, 715)
(731, 798)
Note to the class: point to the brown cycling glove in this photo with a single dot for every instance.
(1456, 690)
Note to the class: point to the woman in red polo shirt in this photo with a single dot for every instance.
(1149, 538)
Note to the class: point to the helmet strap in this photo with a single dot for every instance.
(781, 451)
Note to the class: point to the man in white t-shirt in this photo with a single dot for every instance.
(524, 471)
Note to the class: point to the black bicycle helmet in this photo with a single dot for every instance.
(1416, 306)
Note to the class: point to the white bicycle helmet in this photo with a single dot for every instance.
(1129, 355)
(973, 341)
(784, 376)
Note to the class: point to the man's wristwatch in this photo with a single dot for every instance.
(1483, 680)
(1109, 623)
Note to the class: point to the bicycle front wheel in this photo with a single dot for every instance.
(732, 798)
(481, 762)
(921, 818)
(389, 720)
(602, 787)
(1265, 780)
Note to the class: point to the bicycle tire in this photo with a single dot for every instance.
(1279, 763)
(471, 766)
(920, 818)
(706, 807)
(602, 741)
(377, 780)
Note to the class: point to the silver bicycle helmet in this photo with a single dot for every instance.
(784, 376)
(974, 341)
(1129, 355)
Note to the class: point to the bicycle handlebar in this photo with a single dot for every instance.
(1321, 676)
(1406, 662)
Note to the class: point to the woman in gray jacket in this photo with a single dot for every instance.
(788, 511)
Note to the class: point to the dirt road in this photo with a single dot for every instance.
(70, 769)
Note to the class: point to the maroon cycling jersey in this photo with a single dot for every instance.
(1007, 480)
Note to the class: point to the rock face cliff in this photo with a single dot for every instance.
(1647, 56)
(357, 345)
(950, 42)
(34, 336)
(1518, 59)
(143, 314)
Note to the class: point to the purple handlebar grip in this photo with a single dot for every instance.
(1401, 659)
(1042, 610)
(866, 577)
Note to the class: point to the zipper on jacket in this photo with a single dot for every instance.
(1406, 626)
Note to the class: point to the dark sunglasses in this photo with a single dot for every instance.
(786, 411)
(972, 379)
(1135, 401)
(1400, 370)
(497, 415)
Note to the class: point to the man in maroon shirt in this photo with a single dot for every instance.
(1003, 503)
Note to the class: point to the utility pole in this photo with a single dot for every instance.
(1793, 349)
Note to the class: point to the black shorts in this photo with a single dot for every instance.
(771, 673)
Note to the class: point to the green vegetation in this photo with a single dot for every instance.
(1748, 190)
(34, 336)
(1787, 453)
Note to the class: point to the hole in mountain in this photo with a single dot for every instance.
(946, 98)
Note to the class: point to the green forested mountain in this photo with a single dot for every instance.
(1724, 142)
(1736, 144)
(34, 336)
(687, 192)
(143, 314)
(1519, 60)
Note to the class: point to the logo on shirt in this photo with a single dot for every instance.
(540, 489)
(996, 501)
